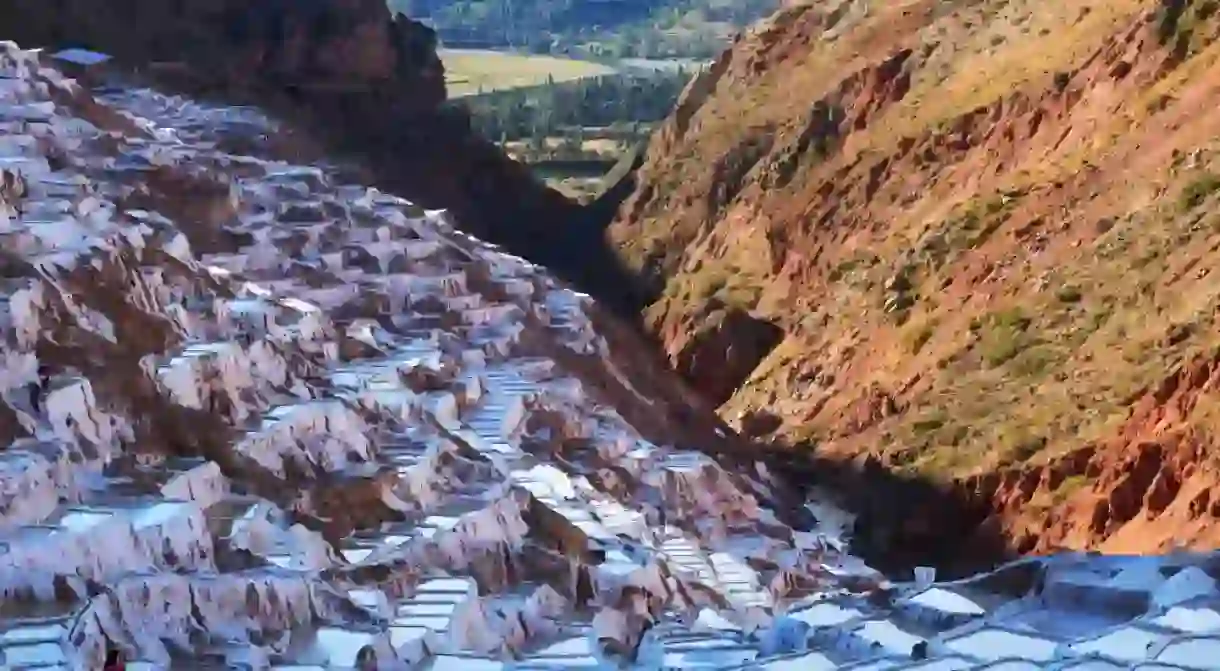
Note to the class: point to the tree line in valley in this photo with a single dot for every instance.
(589, 28)
(628, 102)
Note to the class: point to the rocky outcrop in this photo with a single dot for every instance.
(717, 350)
(986, 255)
(353, 80)
(352, 45)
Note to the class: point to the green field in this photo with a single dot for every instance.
(467, 71)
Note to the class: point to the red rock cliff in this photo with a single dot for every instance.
(979, 237)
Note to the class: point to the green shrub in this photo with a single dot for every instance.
(1197, 191)
(1002, 336)
(999, 346)
(919, 336)
(1069, 295)
(1033, 361)
(929, 423)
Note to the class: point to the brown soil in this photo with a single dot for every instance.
(984, 232)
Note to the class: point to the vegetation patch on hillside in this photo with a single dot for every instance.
(573, 131)
(590, 28)
(475, 71)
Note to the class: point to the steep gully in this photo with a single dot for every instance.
(260, 416)
(351, 80)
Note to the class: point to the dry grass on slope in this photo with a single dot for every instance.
(985, 265)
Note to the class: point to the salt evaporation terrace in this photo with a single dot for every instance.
(327, 435)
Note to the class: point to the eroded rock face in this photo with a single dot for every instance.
(719, 348)
(958, 227)
(348, 46)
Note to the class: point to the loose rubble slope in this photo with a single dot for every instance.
(969, 243)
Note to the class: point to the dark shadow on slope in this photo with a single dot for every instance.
(618, 183)
(904, 522)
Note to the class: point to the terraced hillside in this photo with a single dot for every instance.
(246, 402)
(257, 415)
